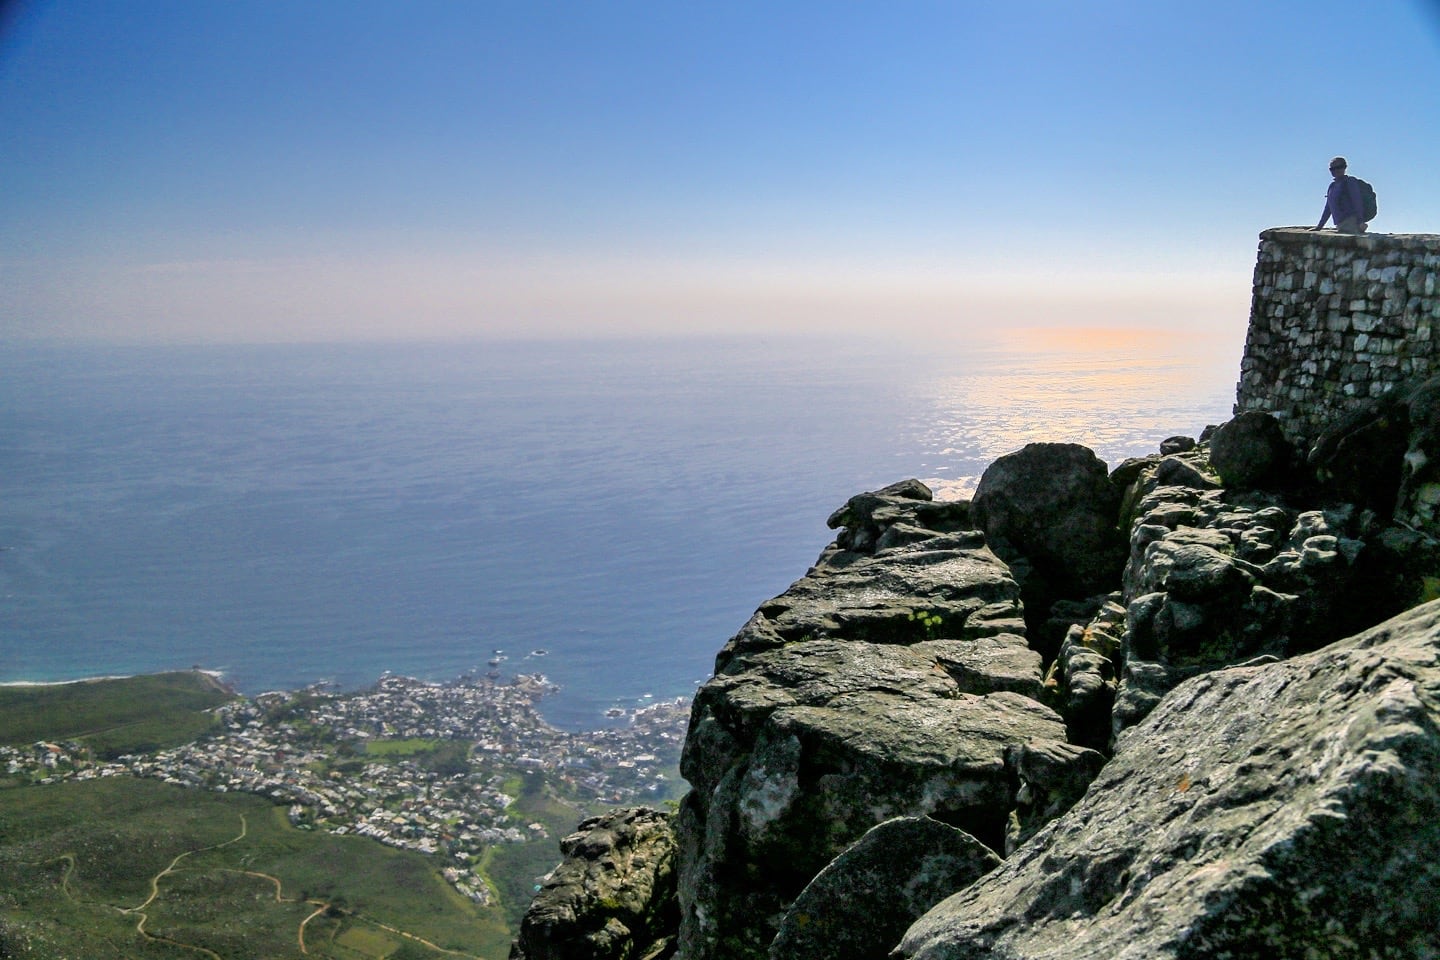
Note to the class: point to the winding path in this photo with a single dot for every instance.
(320, 906)
(155, 892)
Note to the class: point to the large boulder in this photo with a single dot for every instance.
(898, 870)
(1289, 810)
(793, 759)
(1251, 452)
(613, 895)
(1052, 507)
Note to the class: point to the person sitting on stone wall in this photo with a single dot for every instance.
(1343, 201)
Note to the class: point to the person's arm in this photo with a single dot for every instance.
(1325, 214)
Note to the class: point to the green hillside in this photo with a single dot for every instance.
(129, 868)
(130, 714)
(125, 867)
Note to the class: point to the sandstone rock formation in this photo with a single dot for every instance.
(889, 682)
(899, 682)
(1284, 810)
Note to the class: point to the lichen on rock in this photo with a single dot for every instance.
(1284, 810)
(889, 682)
(612, 897)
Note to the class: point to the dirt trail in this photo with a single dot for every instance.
(320, 906)
(155, 880)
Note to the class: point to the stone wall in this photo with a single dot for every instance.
(1336, 319)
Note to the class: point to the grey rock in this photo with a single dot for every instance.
(1086, 674)
(1288, 810)
(1173, 471)
(1176, 444)
(1130, 470)
(737, 705)
(1218, 577)
(613, 895)
(816, 777)
(988, 664)
(795, 751)
(1054, 504)
(1251, 451)
(916, 588)
(1049, 511)
(1053, 775)
(858, 907)
(866, 517)
(1191, 571)
(1143, 683)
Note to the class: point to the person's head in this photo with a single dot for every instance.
(1337, 167)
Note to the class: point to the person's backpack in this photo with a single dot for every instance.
(1367, 200)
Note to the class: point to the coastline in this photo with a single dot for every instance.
(63, 683)
(216, 675)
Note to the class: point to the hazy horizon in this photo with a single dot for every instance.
(198, 172)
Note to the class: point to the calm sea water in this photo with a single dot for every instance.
(288, 514)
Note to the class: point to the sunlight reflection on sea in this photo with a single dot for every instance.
(1118, 392)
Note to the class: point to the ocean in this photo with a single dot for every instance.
(606, 513)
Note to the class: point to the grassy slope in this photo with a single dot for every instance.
(74, 857)
(113, 716)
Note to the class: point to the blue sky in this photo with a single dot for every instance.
(311, 170)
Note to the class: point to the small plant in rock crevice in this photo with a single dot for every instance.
(929, 621)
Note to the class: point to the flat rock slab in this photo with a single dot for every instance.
(937, 586)
(988, 664)
(1284, 810)
(730, 709)
(889, 724)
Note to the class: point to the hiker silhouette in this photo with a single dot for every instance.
(1350, 201)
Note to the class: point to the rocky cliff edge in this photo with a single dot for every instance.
(1134, 713)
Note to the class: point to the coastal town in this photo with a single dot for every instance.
(432, 767)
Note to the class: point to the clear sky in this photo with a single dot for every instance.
(316, 170)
